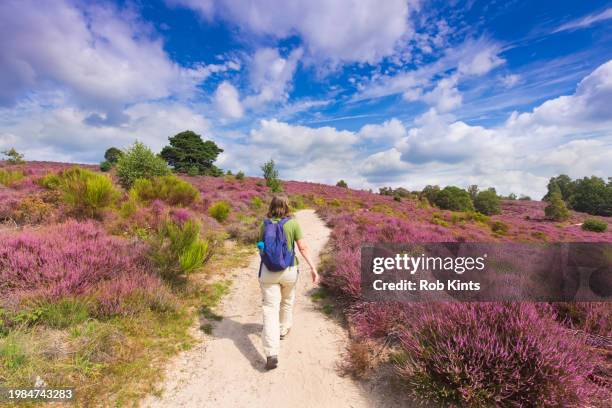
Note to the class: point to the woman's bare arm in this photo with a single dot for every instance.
(305, 251)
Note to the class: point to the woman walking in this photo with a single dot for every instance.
(278, 274)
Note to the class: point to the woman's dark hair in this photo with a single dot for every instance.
(279, 207)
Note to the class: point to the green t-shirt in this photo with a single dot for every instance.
(293, 232)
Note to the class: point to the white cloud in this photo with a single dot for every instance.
(227, 101)
(271, 76)
(481, 62)
(445, 96)
(340, 30)
(61, 133)
(104, 58)
(571, 134)
(586, 21)
(472, 58)
(510, 80)
(390, 130)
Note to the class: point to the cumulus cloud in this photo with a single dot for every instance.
(391, 129)
(61, 133)
(227, 101)
(271, 76)
(569, 134)
(104, 58)
(341, 30)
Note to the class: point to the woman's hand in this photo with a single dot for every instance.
(315, 276)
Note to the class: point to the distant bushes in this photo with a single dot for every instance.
(472, 354)
(219, 211)
(169, 189)
(177, 249)
(487, 202)
(10, 177)
(454, 198)
(86, 193)
(342, 184)
(139, 162)
(592, 224)
(591, 195)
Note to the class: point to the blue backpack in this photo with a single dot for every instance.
(276, 254)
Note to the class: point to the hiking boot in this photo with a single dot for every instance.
(271, 362)
(284, 336)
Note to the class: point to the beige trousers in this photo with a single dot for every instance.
(278, 296)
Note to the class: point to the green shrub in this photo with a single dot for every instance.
(105, 166)
(240, 175)
(556, 209)
(454, 198)
(487, 202)
(592, 224)
(342, 184)
(256, 203)
(297, 202)
(85, 192)
(64, 313)
(219, 211)
(177, 249)
(10, 177)
(171, 189)
(50, 181)
(499, 227)
(275, 186)
(139, 162)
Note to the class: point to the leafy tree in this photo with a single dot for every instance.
(342, 184)
(187, 150)
(430, 193)
(556, 209)
(454, 198)
(270, 173)
(511, 196)
(565, 185)
(487, 202)
(13, 156)
(139, 161)
(592, 196)
(524, 197)
(112, 154)
(473, 191)
(240, 175)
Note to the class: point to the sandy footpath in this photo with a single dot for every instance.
(226, 369)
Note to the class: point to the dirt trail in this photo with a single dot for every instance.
(227, 368)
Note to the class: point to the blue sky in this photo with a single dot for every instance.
(499, 93)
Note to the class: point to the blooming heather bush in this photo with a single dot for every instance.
(170, 189)
(495, 355)
(70, 260)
